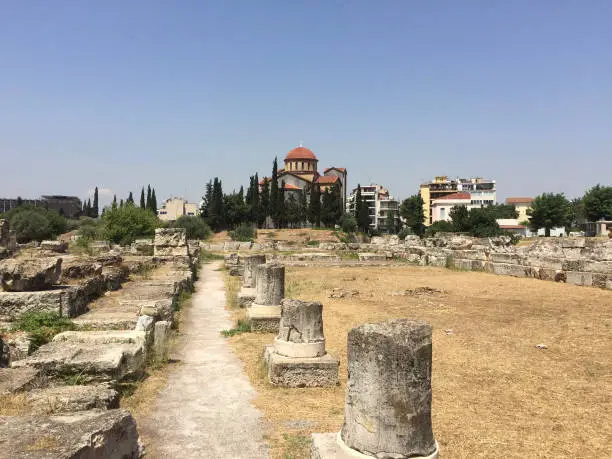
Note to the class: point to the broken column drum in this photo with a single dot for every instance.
(387, 412)
(264, 313)
(298, 357)
(250, 264)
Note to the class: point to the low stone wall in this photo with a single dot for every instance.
(579, 261)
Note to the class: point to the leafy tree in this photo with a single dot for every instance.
(195, 227)
(125, 225)
(441, 226)
(598, 203)
(482, 223)
(390, 222)
(548, 211)
(95, 209)
(243, 232)
(19, 201)
(303, 205)
(234, 210)
(349, 223)
(314, 211)
(502, 211)
(293, 210)
(411, 210)
(143, 204)
(31, 226)
(460, 218)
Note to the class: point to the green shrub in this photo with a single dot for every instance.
(35, 223)
(195, 227)
(123, 225)
(313, 243)
(243, 233)
(441, 226)
(348, 224)
(406, 231)
(42, 326)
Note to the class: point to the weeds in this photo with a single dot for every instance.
(242, 326)
(296, 446)
(42, 326)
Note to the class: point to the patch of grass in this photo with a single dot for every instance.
(78, 379)
(296, 446)
(313, 243)
(232, 287)
(145, 270)
(241, 327)
(14, 404)
(349, 255)
(207, 257)
(41, 327)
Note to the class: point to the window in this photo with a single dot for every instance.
(442, 213)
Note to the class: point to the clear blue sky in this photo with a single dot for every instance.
(124, 93)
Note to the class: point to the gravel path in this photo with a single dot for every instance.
(204, 411)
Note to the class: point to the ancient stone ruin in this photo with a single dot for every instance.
(30, 274)
(298, 357)
(170, 242)
(265, 312)
(387, 413)
(8, 240)
(246, 296)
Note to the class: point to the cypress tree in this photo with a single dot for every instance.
(357, 204)
(303, 208)
(315, 206)
(95, 209)
(282, 208)
(121, 203)
(142, 199)
(274, 195)
(153, 202)
(88, 211)
(363, 219)
(206, 200)
(264, 211)
(148, 202)
(114, 204)
(130, 199)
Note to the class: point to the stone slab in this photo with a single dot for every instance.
(19, 379)
(301, 372)
(331, 446)
(87, 362)
(87, 434)
(66, 399)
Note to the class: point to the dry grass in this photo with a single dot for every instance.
(494, 393)
(14, 404)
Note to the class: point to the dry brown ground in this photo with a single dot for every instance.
(494, 393)
(302, 235)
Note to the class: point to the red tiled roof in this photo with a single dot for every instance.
(519, 200)
(327, 179)
(341, 169)
(460, 195)
(289, 186)
(300, 153)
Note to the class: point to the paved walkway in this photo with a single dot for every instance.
(204, 411)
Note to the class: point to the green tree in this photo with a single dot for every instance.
(195, 227)
(153, 202)
(265, 203)
(390, 222)
(206, 200)
(441, 226)
(148, 202)
(548, 211)
(411, 210)
(314, 211)
(31, 226)
(275, 195)
(293, 210)
(114, 204)
(502, 211)
(282, 207)
(303, 206)
(460, 217)
(349, 223)
(482, 223)
(216, 213)
(121, 202)
(598, 203)
(125, 225)
(130, 199)
(143, 204)
(95, 209)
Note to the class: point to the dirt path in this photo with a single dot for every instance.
(204, 411)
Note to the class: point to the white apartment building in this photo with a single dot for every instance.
(173, 208)
(380, 204)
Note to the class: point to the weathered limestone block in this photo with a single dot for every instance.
(231, 246)
(510, 269)
(388, 402)
(250, 264)
(54, 246)
(372, 257)
(579, 278)
(19, 379)
(298, 357)
(161, 309)
(80, 269)
(161, 336)
(105, 434)
(66, 399)
(246, 296)
(13, 304)
(264, 313)
(142, 247)
(170, 242)
(29, 275)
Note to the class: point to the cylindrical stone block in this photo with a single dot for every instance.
(250, 263)
(301, 329)
(388, 399)
(270, 284)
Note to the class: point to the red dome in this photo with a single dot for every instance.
(300, 153)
